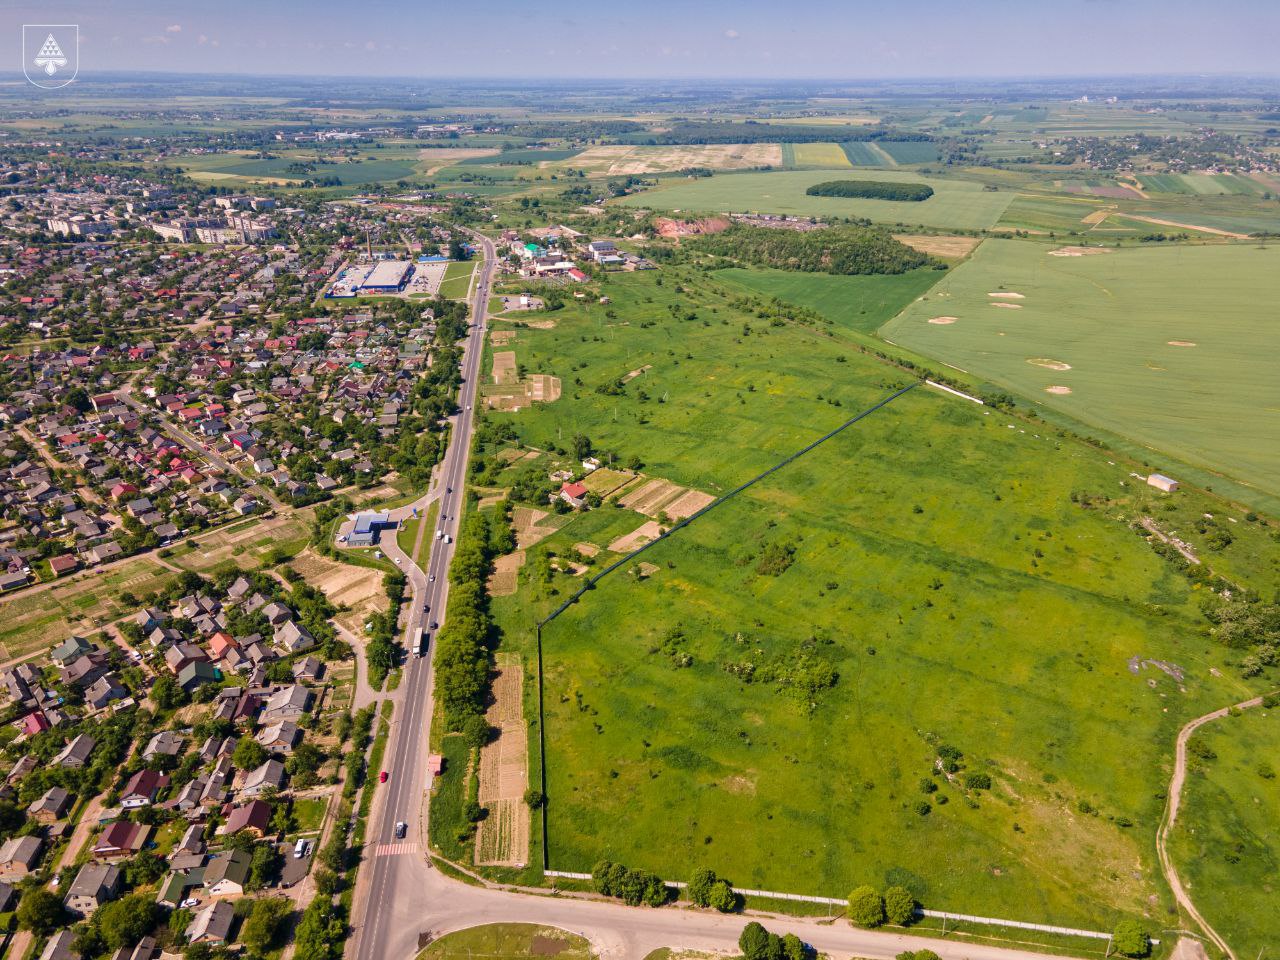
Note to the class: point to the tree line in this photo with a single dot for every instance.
(872, 189)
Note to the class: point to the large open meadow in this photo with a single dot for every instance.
(769, 694)
(955, 203)
(1174, 347)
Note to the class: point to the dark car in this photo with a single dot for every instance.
(402, 828)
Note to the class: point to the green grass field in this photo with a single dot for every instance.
(509, 941)
(861, 303)
(457, 279)
(817, 155)
(1121, 321)
(955, 203)
(1225, 843)
(937, 564)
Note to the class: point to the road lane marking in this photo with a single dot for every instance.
(396, 849)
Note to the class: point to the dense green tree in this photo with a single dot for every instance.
(249, 754)
(40, 912)
(265, 924)
(866, 907)
(1130, 939)
(899, 905)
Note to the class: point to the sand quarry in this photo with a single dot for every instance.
(1058, 390)
(943, 321)
(1049, 364)
(1182, 343)
(1006, 295)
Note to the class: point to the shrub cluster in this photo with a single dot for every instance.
(869, 908)
(633, 887)
(757, 943)
(705, 889)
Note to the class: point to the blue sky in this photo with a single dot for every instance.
(665, 38)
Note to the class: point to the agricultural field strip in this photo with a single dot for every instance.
(591, 582)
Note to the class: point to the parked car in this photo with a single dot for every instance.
(382, 777)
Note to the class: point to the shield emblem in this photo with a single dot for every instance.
(50, 53)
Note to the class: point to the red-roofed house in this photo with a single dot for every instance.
(121, 840)
(574, 494)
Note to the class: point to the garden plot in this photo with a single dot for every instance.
(502, 838)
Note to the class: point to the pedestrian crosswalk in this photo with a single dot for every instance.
(394, 849)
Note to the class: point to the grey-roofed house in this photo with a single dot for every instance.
(293, 637)
(196, 674)
(269, 775)
(94, 885)
(59, 947)
(280, 737)
(165, 743)
(70, 650)
(50, 807)
(19, 856)
(287, 703)
(76, 753)
(103, 690)
(212, 924)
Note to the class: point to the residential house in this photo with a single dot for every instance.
(19, 856)
(142, 788)
(254, 816)
(287, 703)
(269, 775)
(121, 840)
(94, 885)
(280, 737)
(76, 753)
(165, 743)
(212, 925)
(51, 807)
(226, 874)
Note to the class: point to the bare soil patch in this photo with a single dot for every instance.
(648, 569)
(1182, 343)
(532, 526)
(650, 498)
(504, 367)
(502, 838)
(636, 538)
(1079, 251)
(1006, 295)
(943, 321)
(505, 579)
(1060, 391)
(631, 375)
(586, 549)
(688, 503)
(1008, 306)
(1049, 364)
(502, 337)
(544, 388)
(939, 246)
(441, 157)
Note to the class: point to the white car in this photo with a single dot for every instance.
(397, 561)
(190, 902)
(431, 579)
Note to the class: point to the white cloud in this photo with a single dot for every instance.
(732, 34)
(370, 45)
(173, 28)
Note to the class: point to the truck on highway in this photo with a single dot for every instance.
(424, 640)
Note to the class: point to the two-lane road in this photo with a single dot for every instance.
(388, 880)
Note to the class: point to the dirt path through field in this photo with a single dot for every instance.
(1189, 226)
(1171, 815)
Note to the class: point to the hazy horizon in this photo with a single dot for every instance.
(667, 39)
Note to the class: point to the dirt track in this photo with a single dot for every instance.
(1171, 815)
